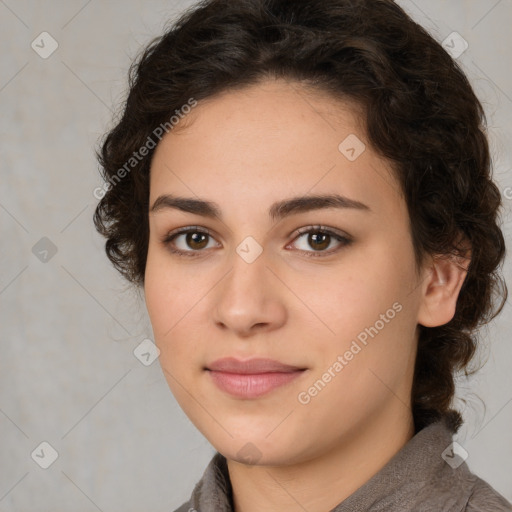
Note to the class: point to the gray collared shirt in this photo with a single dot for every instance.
(425, 475)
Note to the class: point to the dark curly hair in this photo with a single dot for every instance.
(420, 112)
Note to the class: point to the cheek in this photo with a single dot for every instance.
(157, 295)
(368, 313)
(165, 310)
(173, 302)
(167, 292)
(164, 302)
(367, 365)
(351, 296)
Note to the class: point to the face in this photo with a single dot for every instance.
(325, 288)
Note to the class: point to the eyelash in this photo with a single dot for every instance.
(167, 241)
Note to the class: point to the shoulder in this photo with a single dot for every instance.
(485, 498)
(185, 508)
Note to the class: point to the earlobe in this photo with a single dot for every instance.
(440, 291)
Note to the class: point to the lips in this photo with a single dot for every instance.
(252, 378)
(251, 366)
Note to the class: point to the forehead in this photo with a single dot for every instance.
(271, 139)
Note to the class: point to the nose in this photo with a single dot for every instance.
(249, 299)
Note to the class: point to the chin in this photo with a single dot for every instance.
(260, 451)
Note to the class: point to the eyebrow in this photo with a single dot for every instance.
(277, 211)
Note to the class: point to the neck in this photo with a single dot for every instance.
(321, 483)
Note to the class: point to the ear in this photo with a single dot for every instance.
(443, 279)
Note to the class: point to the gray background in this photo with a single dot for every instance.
(69, 325)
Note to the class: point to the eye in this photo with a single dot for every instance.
(195, 238)
(320, 238)
(195, 241)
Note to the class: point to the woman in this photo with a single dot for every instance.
(303, 190)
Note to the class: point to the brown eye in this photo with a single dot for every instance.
(188, 241)
(319, 239)
(195, 240)
(192, 241)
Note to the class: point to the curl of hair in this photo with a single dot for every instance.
(420, 112)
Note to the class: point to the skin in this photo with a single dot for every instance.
(245, 150)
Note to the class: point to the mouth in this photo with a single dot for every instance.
(252, 378)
